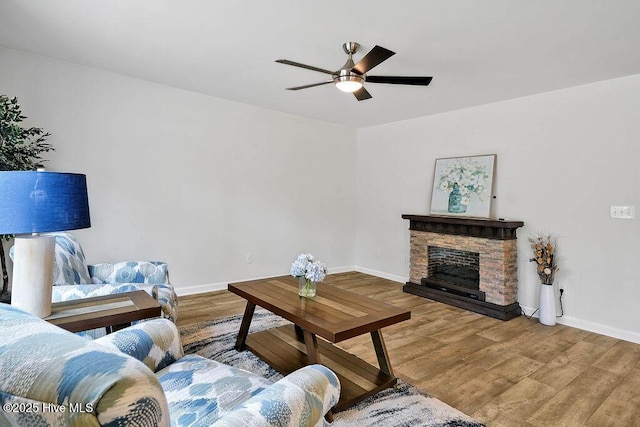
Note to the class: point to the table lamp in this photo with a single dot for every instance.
(34, 202)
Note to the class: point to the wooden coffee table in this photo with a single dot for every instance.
(333, 314)
(111, 311)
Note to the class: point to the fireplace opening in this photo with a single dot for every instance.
(463, 276)
(454, 266)
(454, 271)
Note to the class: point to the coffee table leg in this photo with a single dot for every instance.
(299, 333)
(244, 326)
(115, 328)
(381, 352)
(312, 347)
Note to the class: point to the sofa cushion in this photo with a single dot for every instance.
(41, 364)
(70, 265)
(156, 343)
(299, 399)
(200, 391)
(106, 382)
(153, 272)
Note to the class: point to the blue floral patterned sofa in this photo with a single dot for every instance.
(74, 279)
(139, 376)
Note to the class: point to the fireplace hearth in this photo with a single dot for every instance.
(468, 263)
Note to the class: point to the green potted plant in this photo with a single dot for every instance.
(20, 149)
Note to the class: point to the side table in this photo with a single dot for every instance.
(113, 312)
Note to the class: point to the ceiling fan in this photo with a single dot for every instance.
(351, 76)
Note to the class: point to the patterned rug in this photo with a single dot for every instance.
(405, 406)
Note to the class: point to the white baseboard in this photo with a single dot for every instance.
(221, 286)
(200, 289)
(586, 325)
(345, 269)
(382, 274)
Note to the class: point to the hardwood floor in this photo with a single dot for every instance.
(514, 373)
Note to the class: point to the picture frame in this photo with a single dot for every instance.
(463, 186)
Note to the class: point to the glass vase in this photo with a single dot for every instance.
(455, 201)
(306, 287)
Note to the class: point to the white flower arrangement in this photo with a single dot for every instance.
(306, 266)
(468, 175)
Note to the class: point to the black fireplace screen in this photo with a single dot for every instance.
(454, 266)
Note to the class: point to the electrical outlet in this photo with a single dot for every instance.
(622, 212)
(249, 258)
(405, 259)
(378, 252)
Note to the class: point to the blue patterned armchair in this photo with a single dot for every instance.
(74, 279)
(139, 376)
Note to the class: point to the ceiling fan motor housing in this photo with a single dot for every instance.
(350, 47)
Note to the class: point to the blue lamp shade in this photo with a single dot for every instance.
(42, 202)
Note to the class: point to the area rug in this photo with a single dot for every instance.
(404, 406)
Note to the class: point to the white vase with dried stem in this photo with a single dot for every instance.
(545, 247)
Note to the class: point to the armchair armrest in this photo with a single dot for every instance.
(156, 343)
(51, 375)
(302, 398)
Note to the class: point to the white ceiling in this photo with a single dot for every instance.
(477, 51)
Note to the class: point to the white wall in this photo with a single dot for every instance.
(200, 182)
(190, 179)
(562, 158)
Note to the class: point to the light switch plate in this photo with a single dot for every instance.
(622, 212)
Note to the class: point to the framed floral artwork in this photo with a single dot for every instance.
(463, 186)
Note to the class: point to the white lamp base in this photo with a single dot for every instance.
(33, 274)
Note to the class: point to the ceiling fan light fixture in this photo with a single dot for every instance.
(349, 83)
(351, 76)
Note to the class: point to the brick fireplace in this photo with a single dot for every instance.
(465, 262)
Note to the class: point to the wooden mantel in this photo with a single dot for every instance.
(473, 227)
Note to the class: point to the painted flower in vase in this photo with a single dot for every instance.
(545, 248)
(463, 179)
(309, 273)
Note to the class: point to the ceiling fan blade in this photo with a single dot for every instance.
(308, 86)
(362, 94)
(308, 67)
(375, 56)
(400, 80)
